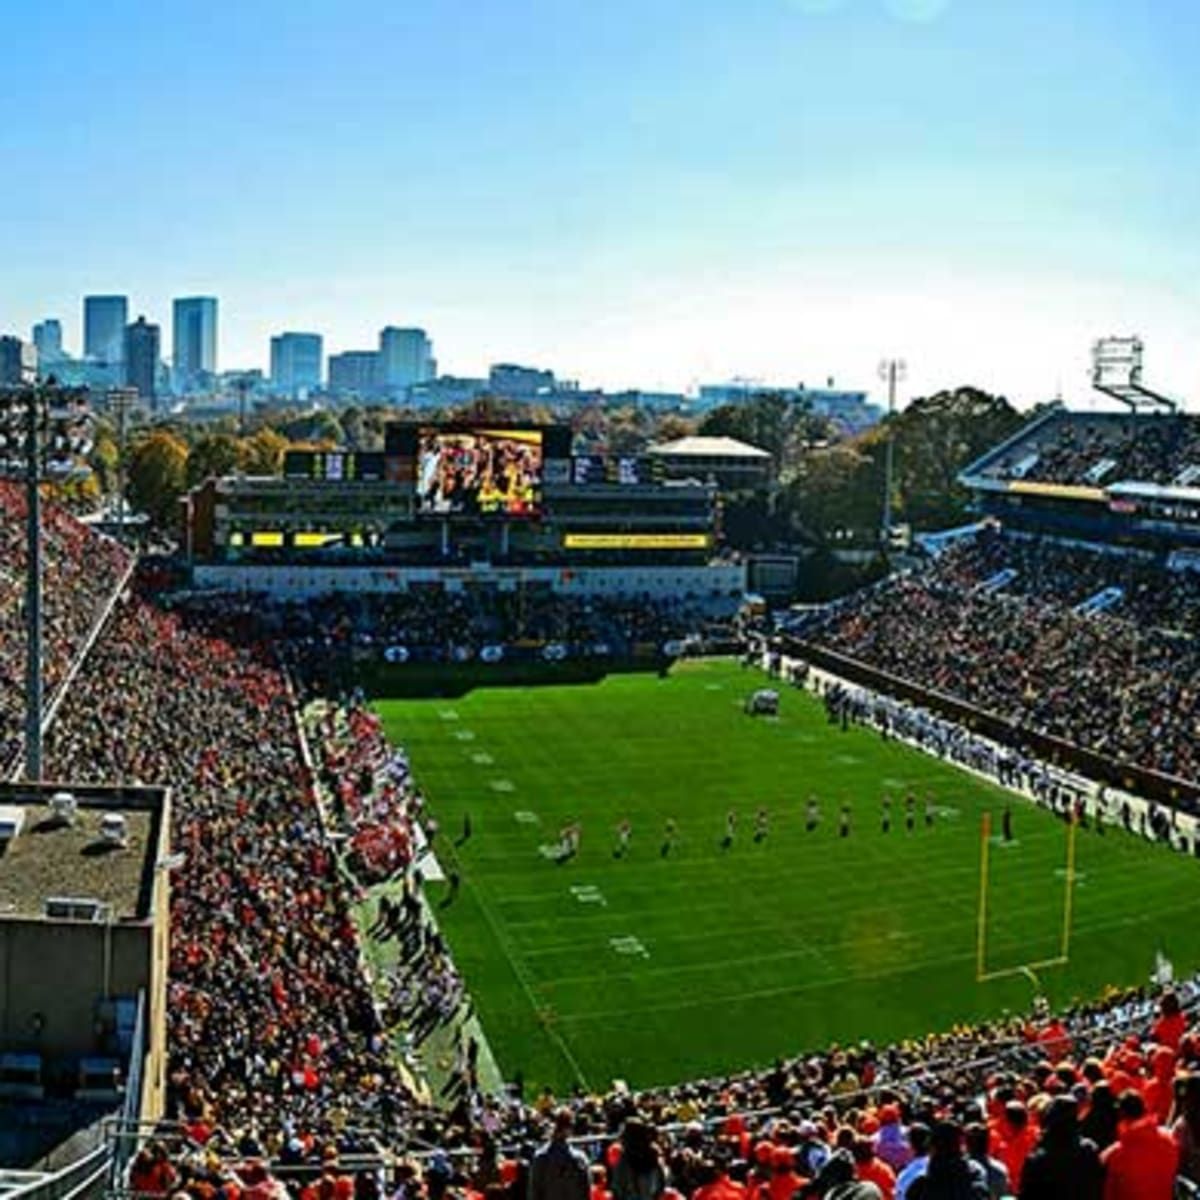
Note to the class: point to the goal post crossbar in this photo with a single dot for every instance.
(982, 974)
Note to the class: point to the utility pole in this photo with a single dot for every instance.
(892, 370)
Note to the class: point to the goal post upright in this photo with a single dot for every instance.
(985, 838)
(1069, 897)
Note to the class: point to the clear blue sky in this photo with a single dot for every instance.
(651, 192)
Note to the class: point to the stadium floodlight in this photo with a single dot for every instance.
(1117, 372)
(892, 370)
(45, 436)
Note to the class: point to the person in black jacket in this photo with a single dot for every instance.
(950, 1174)
(1100, 1125)
(1064, 1166)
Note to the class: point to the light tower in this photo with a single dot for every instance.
(892, 370)
(1117, 372)
(43, 438)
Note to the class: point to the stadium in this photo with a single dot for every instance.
(451, 797)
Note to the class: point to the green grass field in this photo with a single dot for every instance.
(655, 971)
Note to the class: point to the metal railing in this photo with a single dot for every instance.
(83, 1179)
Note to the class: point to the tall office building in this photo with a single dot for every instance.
(18, 360)
(104, 321)
(194, 342)
(296, 360)
(47, 340)
(142, 350)
(405, 358)
(354, 372)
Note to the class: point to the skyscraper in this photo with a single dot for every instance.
(47, 338)
(104, 321)
(142, 348)
(296, 362)
(405, 358)
(17, 360)
(194, 335)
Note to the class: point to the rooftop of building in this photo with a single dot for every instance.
(52, 858)
(708, 447)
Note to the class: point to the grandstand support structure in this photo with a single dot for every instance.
(1117, 372)
(982, 973)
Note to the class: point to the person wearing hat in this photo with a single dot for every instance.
(784, 1180)
(891, 1142)
(559, 1172)
(1064, 1166)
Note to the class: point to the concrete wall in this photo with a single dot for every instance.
(724, 580)
(55, 974)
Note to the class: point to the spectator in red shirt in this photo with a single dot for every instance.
(1142, 1163)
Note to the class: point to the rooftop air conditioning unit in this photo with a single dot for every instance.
(75, 908)
(12, 821)
(63, 807)
(114, 829)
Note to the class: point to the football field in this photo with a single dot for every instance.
(656, 969)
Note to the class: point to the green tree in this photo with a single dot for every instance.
(781, 426)
(158, 475)
(936, 437)
(262, 454)
(835, 494)
(212, 455)
(104, 460)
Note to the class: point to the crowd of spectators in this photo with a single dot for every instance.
(271, 1023)
(1123, 682)
(81, 570)
(374, 807)
(456, 626)
(1102, 1101)
(1083, 448)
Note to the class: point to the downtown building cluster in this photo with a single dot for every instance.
(400, 370)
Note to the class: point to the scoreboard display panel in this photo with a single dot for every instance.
(333, 466)
(619, 470)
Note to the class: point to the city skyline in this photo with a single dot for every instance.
(648, 196)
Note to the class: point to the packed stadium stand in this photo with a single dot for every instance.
(282, 1077)
(1082, 645)
(82, 571)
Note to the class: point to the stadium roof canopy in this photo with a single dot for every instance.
(708, 447)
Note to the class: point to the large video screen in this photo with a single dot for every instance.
(479, 472)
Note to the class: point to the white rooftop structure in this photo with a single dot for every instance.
(708, 447)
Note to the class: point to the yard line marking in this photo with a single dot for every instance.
(503, 785)
(524, 817)
(464, 735)
(516, 963)
(629, 945)
(587, 893)
(481, 758)
(448, 714)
